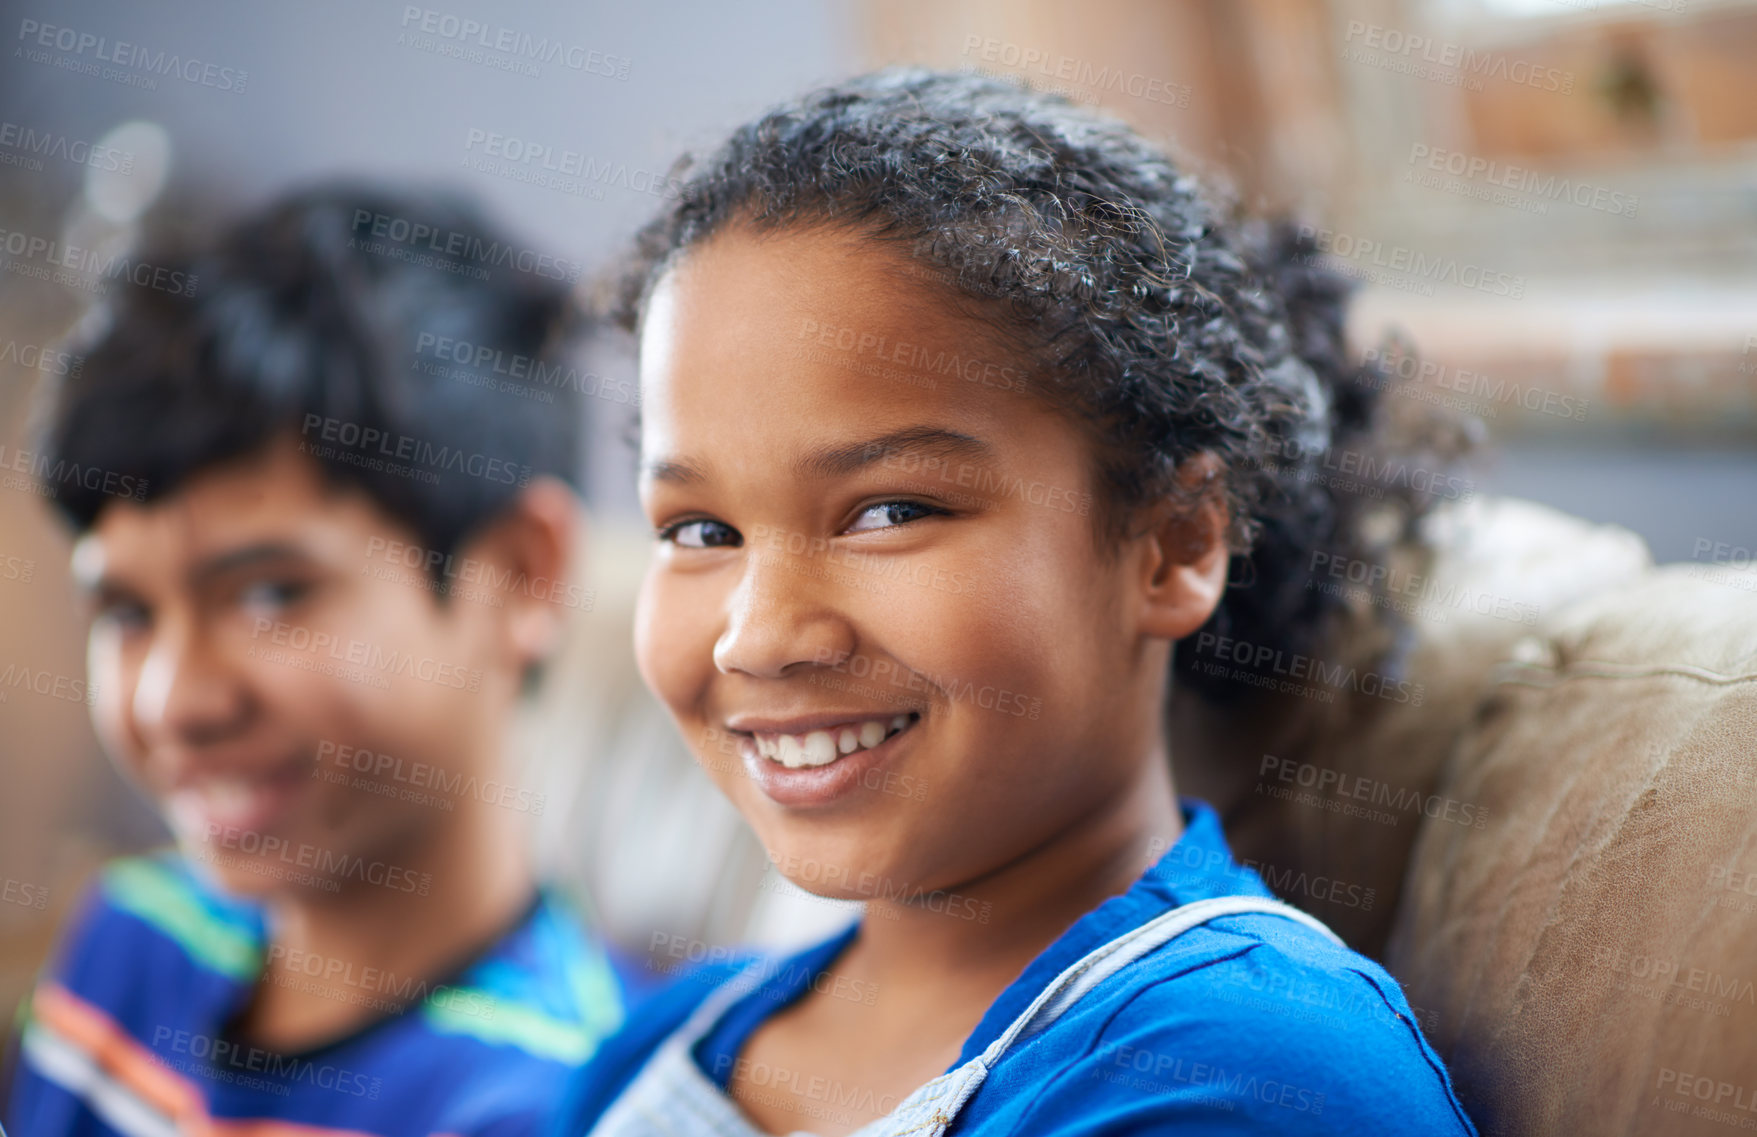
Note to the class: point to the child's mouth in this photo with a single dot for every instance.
(821, 747)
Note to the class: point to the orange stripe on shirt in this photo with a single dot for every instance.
(116, 1051)
(120, 1055)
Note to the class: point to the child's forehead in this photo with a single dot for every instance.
(816, 276)
(275, 497)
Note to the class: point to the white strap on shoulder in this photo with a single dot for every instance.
(1101, 963)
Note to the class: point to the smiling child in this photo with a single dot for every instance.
(307, 649)
(956, 404)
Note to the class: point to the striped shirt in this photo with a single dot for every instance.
(126, 1036)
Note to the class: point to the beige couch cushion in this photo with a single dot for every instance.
(1584, 962)
(1323, 788)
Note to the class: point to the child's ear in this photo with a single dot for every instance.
(1186, 555)
(534, 541)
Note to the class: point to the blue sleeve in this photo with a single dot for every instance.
(1344, 1057)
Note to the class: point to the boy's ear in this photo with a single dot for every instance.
(534, 540)
(1186, 556)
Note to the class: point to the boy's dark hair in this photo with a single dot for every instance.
(408, 347)
(1163, 322)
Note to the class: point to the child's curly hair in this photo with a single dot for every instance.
(1165, 324)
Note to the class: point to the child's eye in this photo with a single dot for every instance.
(272, 594)
(701, 533)
(888, 513)
(126, 616)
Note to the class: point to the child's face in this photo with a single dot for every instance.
(867, 524)
(287, 692)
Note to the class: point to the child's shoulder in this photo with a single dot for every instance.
(1259, 1015)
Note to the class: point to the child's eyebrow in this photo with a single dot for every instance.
(845, 458)
(927, 441)
(246, 557)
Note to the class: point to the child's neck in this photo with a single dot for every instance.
(1023, 906)
(480, 880)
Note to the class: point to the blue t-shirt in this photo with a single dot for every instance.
(1247, 1024)
(127, 1033)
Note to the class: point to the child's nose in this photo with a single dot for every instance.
(185, 694)
(782, 615)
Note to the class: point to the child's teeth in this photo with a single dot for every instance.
(821, 747)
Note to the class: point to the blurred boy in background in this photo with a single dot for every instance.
(327, 548)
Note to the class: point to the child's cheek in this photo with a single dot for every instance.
(673, 644)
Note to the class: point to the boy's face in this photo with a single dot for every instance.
(294, 700)
(877, 609)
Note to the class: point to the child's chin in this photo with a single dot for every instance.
(256, 876)
(844, 867)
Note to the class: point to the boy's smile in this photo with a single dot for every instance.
(879, 561)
